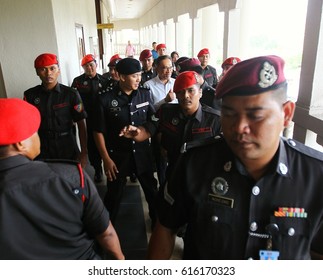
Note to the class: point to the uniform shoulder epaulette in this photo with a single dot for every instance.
(60, 166)
(304, 149)
(200, 143)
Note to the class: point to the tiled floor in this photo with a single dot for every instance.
(133, 222)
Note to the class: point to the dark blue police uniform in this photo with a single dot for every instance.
(115, 110)
(45, 212)
(60, 108)
(232, 216)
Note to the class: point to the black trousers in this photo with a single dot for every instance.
(115, 189)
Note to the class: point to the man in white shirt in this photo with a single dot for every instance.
(161, 86)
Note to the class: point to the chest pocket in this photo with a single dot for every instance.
(62, 116)
(139, 115)
(293, 233)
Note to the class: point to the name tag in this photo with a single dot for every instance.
(142, 105)
(221, 200)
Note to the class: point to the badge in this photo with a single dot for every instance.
(283, 168)
(78, 107)
(85, 83)
(267, 75)
(114, 103)
(227, 166)
(219, 186)
(175, 121)
(37, 100)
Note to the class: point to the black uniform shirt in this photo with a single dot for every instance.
(88, 89)
(59, 108)
(210, 75)
(42, 215)
(176, 129)
(228, 213)
(208, 97)
(147, 75)
(115, 110)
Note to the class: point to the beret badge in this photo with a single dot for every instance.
(267, 75)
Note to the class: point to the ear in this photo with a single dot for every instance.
(122, 77)
(289, 109)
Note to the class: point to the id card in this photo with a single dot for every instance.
(269, 255)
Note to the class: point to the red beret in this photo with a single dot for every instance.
(253, 76)
(184, 80)
(114, 60)
(18, 120)
(231, 61)
(145, 54)
(45, 59)
(88, 58)
(160, 46)
(203, 52)
(188, 64)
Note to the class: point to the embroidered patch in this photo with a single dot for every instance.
(219, 186)
(78, 107)
(114, 103)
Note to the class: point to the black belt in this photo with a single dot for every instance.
(54, 134)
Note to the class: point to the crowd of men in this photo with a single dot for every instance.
(227, 179)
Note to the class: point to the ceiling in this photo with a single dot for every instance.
(128, 9)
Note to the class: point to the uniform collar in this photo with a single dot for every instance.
(57, 88)
(198, 114)
(12, 162)
(279, 163)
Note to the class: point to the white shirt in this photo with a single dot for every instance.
(159, 90)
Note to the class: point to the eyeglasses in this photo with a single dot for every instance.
(165, 68)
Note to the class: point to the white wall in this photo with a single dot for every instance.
(29, 28)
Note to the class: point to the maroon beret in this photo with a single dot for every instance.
(18, 120)
(88, 58)
(203, 52)
(184, 80)
(253, 76)
(188, 64)
(45, 59)
(231, 61)
(160, 46)
(145, 54)
(114, 60)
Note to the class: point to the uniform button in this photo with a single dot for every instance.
(253, 226)
(133, 142)
(255, 190)
(291, 231)
(133, 123)
(76, 191)
(134, 151)
(283, 168)
(214, 219)
(292, 142)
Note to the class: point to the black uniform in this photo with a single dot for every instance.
(210, 75)
(45, 212)
(231, 216)
(147, 75)
(59, 108)
(89, 88)
(208, 97)
(177, 129)
(115, 110)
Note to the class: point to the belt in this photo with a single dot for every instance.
(54, 134)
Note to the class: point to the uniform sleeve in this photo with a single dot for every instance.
(78, 111)
(96, 217)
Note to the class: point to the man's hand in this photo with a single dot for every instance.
(170, 96)
(129, 131)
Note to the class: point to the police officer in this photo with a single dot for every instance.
(179, 123)
(209, 72)
(89, 85)
(148, 71)
(208, 92)
(112, 76)
(60, 107)
(125, 104)
(258, 196)
(49, 210)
